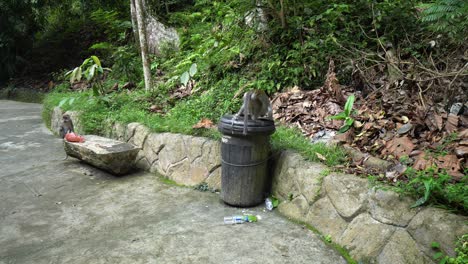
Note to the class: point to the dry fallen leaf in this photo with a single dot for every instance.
(463, 133)
(422, 162)
(452, 123)
(434, 121)
(295, 89)
(395, 171)
(450, 163)
(332, 85)
(156, 109)
(204, 123)
(461, 151)
(398, 147)
(320, 156)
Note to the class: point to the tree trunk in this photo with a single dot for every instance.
(143, 43)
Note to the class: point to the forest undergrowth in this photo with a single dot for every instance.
(404, 63)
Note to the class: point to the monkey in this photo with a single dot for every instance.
(66, 126)
(256, 104)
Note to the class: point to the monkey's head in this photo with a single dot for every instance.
(66, 118)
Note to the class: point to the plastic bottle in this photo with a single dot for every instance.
(269, 204)
(239, 219)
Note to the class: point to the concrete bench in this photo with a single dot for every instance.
(110, 155)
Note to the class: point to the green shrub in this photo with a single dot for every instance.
(447, 17)
(433, 187)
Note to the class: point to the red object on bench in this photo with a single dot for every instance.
(72, 137)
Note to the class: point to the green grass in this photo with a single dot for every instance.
(429, 187)
(291, 138)
(168, 181)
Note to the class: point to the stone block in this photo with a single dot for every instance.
(296, 209)
(153, 145)
(108, 127)
(347, 193)
(323, 216)
(118, 131)
(174, 152)
(139, 136)
(365, 237)
(401, 248)
(142, 161)
(389, 208)
(437, 225)
(210, 156)
(284, 175)
(110, 155)
(130, 130)
(56, 120)
(214, 179)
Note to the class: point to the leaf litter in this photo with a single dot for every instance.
(392, 122)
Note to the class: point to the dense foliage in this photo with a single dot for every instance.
(43, 36)
(18, 24)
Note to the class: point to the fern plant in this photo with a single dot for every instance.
(447, 16)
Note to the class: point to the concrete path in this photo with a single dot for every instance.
(55, 211)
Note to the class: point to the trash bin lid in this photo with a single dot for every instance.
(229, 126)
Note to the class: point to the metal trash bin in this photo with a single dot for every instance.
(244, 159)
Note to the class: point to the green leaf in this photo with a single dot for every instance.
(349, 121)
(344, 129)
(349, 105)
(85, 62)
(95, 90)
(79, 74)
(102, 46)
(193, 69)
(106, 99)
(438, 255)
(62, 102)
(435, 245)
(274, 201)
(96, 60)
(184, 78)
(73, 75)
(419, 202)
(68, 73)
(339, 116)
(70, 102)
(428, 185)
(92, 70)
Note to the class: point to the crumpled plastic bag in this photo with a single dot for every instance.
(72, 137)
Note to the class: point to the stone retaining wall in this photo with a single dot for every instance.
(373, 224)
(376, 226)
